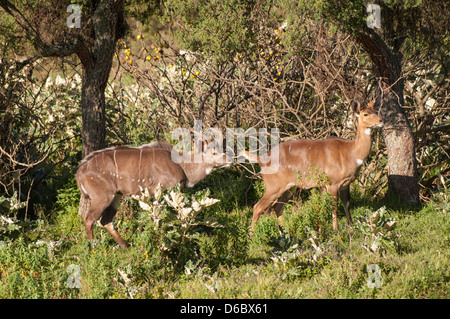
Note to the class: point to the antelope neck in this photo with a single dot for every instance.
(362, 143)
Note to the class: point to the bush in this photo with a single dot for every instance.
(310, 217)
(266, 228)
(169, 225)
(377, 228)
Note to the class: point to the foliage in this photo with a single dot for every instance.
(301, 221)
(169, 224)
(37, 266)
(11, 227)
(310, 217)
(295, 252)
(297, 262)
(40, 131)
(11, 205)
(266, 229)
(377, 229)
(221, 29)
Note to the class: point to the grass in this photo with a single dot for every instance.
(35, 261)
(420, 268)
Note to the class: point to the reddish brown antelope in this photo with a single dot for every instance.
(299, 160)
(105, 175)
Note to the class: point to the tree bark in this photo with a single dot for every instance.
(96, 60)
(397, 133)
(92, 114)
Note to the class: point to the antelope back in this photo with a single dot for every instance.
(127, 170)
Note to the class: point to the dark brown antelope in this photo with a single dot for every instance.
(105, 175)
(301, 160)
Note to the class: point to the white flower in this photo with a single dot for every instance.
(48, 82)
(77, 78)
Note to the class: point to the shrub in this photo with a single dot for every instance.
(265, 229)
(377, 228)
(312, 216)
(169, 225)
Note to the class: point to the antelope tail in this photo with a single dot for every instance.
(83, 208)
(84, 201)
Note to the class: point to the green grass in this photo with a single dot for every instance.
(225, 262)
(419, 269)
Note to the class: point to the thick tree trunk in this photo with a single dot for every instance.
(402, 164)
(97, 61)
(397, 133)
(93, 114)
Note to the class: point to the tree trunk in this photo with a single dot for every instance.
(397, 133)
(97, 62)
(93, 114)
(399, 139)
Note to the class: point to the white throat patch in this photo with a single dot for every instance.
(367, 131)
(359, 161)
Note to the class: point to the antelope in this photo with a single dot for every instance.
(104, 176)
(338, 158)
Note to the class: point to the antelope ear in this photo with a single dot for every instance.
(355, 107)
(371, 104)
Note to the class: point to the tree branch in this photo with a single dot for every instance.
(73, 45)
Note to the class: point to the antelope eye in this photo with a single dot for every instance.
(365, 114)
